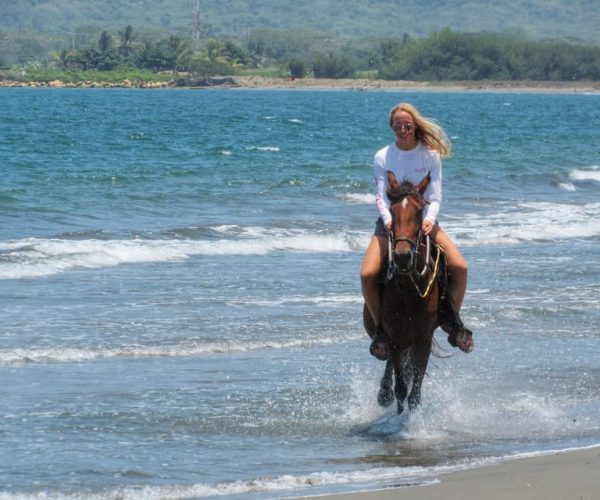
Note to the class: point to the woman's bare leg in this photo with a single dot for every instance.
(457, 281)
(370, 273)
(457, 267)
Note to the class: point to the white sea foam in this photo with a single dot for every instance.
(376, 477)
(11, 357)
(370, 479)
(263, 148)
(586, 174)
(362, 198)
(526, 222)
(319, 300)
(567, 186)
(32, 257)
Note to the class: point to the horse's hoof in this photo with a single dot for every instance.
(385, 396)
(379, 349)
(414, 403)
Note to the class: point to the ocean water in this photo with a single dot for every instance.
(180, 309)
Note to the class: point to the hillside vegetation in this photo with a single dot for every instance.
(444, 55)
(578, 19)
(139, 51)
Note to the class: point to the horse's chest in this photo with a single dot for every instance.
(406, 314)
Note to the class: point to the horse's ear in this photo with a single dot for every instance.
(422, 186)
(392, 181)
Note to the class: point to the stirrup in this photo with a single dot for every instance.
(379, 342)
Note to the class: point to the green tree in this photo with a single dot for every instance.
(234, 53)
(213, 49)
(332, 66)
(156, 56)
(106, 42)
(182, 51)
(172, 54)
(63, 59)
(446, 55)
(204, 67)
(95, 59)
(127, 38)
(297, 68)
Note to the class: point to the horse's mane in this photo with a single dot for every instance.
(403, 190)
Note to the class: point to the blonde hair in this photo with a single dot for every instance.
(427, 130)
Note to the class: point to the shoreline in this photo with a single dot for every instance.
(365, 84)
(359, 84)
(559, 475)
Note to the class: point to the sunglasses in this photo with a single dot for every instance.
(403, 126)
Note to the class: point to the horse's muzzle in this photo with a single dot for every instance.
(403, 261)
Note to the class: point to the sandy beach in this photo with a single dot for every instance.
(358, 84)
(458, 86)
(571, 475)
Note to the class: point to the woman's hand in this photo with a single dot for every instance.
(388, 226)
(427, 227)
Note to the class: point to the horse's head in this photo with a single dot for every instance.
(407, 205)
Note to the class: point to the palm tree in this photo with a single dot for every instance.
(63, 58)
(105, 43)
(181, 49)
(126, 40)
(213, 49)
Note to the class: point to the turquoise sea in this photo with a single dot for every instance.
(180, 309)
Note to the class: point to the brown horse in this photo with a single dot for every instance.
(410, 295)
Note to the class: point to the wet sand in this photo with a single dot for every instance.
(572, 475)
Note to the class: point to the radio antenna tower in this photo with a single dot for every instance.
(196, 26)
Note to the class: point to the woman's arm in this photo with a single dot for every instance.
(383, 204)
(433, 193)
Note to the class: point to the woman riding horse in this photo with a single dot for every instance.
(417, 151)
(414, 286)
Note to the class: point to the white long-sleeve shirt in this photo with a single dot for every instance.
(413, 166)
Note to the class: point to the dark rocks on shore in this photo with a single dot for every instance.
(226, 81)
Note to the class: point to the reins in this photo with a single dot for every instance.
(434, 272)
(391, 268)
(389, 274)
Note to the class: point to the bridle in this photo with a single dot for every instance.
(414, 249)
(412, 270)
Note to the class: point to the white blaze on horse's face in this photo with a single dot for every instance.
(404, 203)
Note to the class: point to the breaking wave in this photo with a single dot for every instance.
(33, 257)
(184, 349)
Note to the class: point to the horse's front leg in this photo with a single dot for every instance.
(420, 359)
(400, 388)
(385, 396)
